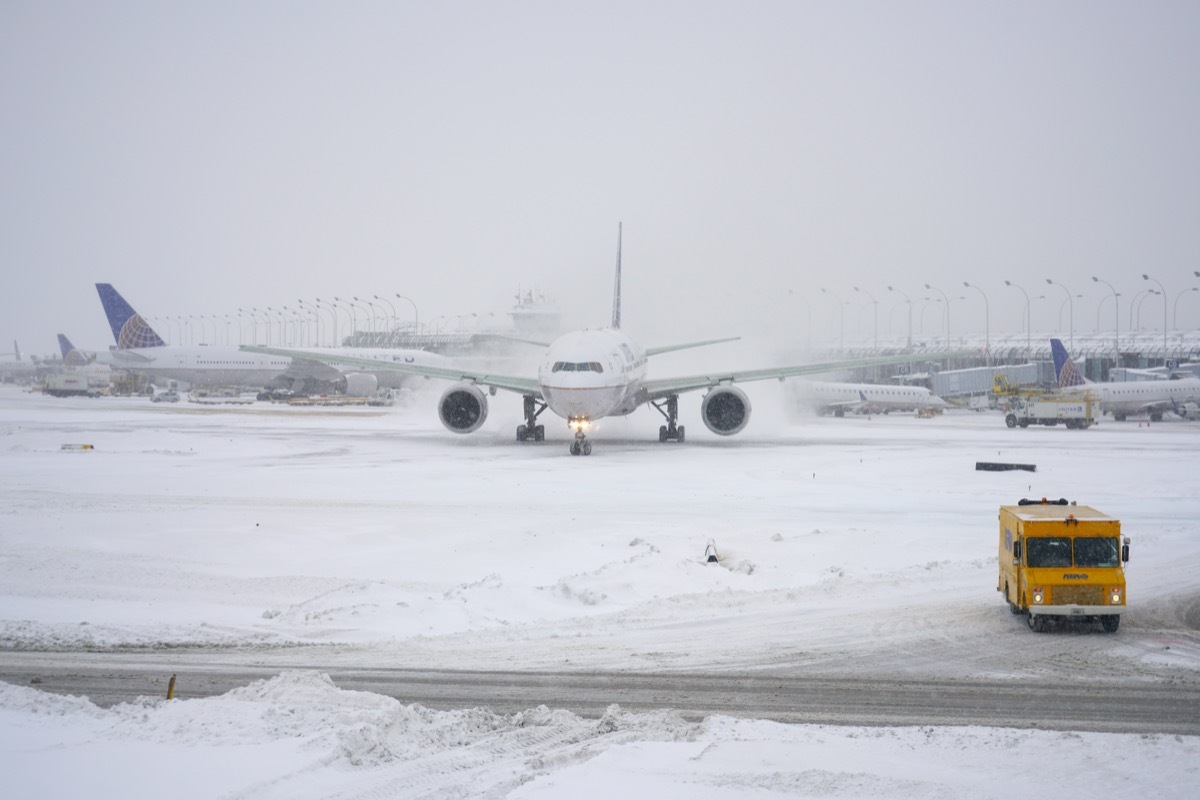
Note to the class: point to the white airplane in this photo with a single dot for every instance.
(588, 375)
(140, 349)
(1130, 397)
(838, 398)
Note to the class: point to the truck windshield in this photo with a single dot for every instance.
(1048, 551)
(1096, 552)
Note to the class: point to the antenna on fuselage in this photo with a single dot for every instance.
(616, 318)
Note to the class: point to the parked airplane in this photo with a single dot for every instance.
(91, 365)
(838, 398)
(1129, 397)
(587, 375)
(140, 349)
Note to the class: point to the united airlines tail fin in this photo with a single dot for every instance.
(1064, 368)
(64, 344)
(128, 328)
(616, 317)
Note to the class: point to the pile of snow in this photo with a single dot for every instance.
(297, 736)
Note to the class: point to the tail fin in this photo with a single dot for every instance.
(1064, 368)
(16, 350)
(128, 328)
(64, 344)
(616, 317)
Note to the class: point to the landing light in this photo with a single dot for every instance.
(579, 425)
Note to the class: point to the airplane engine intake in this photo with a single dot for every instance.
(463, 408)
(725, 410)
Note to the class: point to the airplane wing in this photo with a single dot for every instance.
(510, 383)
(670, 348)
(665, 387)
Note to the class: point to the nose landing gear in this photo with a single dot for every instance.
(581, 446)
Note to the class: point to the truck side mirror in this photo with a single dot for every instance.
(1125, 553)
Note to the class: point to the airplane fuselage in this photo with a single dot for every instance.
(590, 374)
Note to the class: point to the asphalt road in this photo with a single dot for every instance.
(109, 678)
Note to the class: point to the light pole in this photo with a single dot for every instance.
(391, 324)
(1028, 348)
(1164, 297)
(987, 326)
(1175, 312)
(333, 316)
(841, 319)
(416, 321)
(875, 323)
(368, 302)
(947, 299)
(1142, 297)
(316, 322)
(909, 302)
(1116, 319)
(1072, 307)
(350, 311)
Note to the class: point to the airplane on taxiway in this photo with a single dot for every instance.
(588, 375)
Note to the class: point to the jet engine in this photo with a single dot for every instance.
(463, 408)
(725, 410)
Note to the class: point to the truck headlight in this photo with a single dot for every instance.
(1115, 595)
(1038, 597)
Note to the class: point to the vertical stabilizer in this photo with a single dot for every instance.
(616, 317)
(129, 329)
(1064, 368)
(64, 344)
(16, 350)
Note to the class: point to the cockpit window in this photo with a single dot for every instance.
(577, 366)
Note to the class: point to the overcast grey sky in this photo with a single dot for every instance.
(208, 156)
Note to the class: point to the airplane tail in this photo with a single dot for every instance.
(16, 350)
(64, 344)
(1064, 368)
(616, 317)
(128, 328)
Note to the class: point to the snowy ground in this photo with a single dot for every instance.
(854, 546)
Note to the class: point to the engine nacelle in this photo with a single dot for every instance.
(725, 410)
(463, 408)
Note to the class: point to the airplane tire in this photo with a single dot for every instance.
(522, 434)
(587, 448)
(539, 433)
(575, 449)
(680, 439)
(662, 433)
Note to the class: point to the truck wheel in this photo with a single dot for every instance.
(1010, 421)
(1110, 622)
(1037, 623)
(1014, 608)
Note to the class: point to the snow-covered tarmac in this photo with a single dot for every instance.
(854, 546)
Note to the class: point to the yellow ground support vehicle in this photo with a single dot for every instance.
(1064, 561)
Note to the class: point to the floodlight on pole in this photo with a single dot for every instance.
(932, 288)
(987, 314)
(875, 305)
(1164, 297)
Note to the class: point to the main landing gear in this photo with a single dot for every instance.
(531, 430)
(670, 432)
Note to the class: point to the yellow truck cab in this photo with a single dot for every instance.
(1062, 560)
